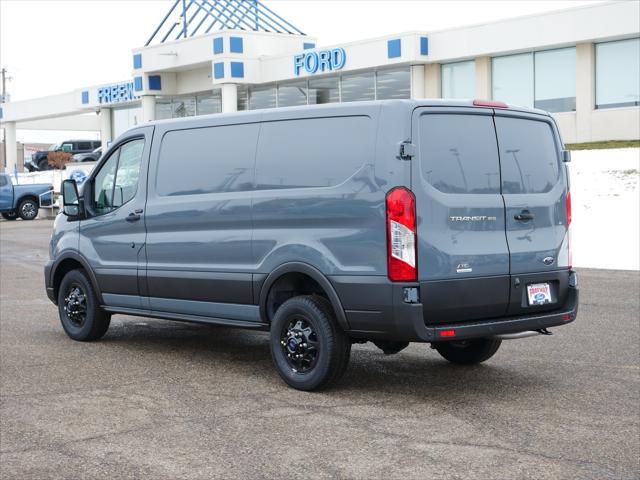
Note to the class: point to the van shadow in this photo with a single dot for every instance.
(417, 372)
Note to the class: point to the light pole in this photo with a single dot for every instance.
(3, 99)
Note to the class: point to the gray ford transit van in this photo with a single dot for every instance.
(393, 222)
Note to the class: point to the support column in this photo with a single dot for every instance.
(11, 146)
(585, 91)
(483, 78)
(417, 81)
(105, 127)
(148, 108)
(229, 97)
(433, 87)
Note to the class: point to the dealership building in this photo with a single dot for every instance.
(581, 64)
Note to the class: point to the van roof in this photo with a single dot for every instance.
(343, 108)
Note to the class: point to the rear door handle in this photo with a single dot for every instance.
(524, 216)
(134, 216)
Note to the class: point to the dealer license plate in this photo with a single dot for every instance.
(539, 294)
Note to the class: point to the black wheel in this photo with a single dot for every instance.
(10, 215)
(308, 348)
(80, 315)
(28, 209)
(468, 352)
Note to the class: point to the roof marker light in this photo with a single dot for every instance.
(489, 103)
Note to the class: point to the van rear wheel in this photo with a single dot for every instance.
(80, 314)
(308, 348)
(468, 352)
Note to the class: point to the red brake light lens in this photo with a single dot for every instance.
(489, 103)
(568, 207)
(401, 235)
(447, 333)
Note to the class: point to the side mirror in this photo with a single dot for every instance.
(70, 198)
(566, 156)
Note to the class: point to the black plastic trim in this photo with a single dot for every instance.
(186, 318)
(315, 274)
(73, 255)
(226, 287)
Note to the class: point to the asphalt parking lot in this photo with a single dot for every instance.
(158, 399)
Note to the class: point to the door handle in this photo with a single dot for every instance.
(134, 216)
(524, 216)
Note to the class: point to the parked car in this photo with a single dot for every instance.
(93, 156)
(443, 222)
(22, 200)
(39, 161)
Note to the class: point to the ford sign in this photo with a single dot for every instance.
(322, 61)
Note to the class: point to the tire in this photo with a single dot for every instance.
(10, 215)
(468, 352)
(28, 209)
(301, 321)
(84, 321)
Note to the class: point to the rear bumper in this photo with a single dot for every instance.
(376, 309)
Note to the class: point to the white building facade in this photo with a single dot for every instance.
(581, 64)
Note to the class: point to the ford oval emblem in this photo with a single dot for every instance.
(548, 260)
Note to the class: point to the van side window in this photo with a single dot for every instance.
(458, 153)
(3, 180)
(207, 160)
(528, 155)
(316, 152)
(117, 181)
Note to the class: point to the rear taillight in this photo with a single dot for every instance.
(568, 210)
(401, 235)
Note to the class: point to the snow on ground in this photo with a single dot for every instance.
(605, 197)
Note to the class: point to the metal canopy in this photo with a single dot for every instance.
(187, 18)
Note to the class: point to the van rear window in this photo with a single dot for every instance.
(528, 155)
(459, 154)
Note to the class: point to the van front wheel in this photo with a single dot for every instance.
(468, 352)
(308, 348)
(80, 314)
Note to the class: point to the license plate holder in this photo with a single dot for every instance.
(539, 294)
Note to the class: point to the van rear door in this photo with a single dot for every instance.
(534, 187)
(463, 257)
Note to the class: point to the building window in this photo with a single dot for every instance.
(324, 90)
(618, 73)
(262, 96)
(189, 105)
(359, 86)
(292, 94)
(183, 107)
(208, 103)
(555, 80)
(392, 84)
(459, 79)
(243, 98)
(545, 79)
(512, 79)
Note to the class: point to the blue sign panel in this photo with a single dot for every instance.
(120, 92)
(321, 61)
